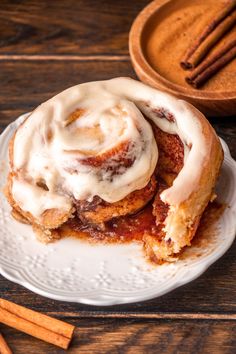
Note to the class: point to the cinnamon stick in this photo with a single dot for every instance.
(210, 60)
(4, 349)
(211, 70)
(212, 39)
(225, 11)
(36, 324)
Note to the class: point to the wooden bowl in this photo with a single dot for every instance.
(159, 38)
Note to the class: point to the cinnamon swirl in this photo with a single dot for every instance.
(100, 156)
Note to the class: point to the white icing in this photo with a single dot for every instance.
(112, 115)
(27, 196)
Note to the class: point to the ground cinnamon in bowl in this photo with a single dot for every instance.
(160, 38)
(172, 30)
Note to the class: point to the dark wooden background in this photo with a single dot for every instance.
(45, 47)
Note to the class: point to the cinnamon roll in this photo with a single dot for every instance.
(112, 158)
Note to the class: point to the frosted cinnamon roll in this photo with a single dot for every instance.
(114, 159)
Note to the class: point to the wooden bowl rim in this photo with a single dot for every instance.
(139, 61)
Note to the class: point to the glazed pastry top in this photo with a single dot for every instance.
(95, 139)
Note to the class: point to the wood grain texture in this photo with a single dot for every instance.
(66, 27)
(46, 47)
(126, 336)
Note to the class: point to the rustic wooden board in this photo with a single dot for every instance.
(66, 27)
(45, 47)
(131, 337)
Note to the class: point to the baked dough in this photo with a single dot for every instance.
(102, 150)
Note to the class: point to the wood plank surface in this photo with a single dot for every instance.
(45, 47)
(66, 27)
(128, 336)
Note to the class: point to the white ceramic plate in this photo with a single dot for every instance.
(73, 270)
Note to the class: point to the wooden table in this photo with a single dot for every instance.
(45, 47)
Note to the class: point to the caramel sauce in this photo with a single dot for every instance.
(124, 229)
(131, 228)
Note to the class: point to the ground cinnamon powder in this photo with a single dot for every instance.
(172, 30)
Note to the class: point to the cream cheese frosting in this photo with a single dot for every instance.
(52, 151)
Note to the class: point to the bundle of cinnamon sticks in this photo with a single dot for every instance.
(196, 58)
(35, 324)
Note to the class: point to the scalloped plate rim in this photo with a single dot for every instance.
(108, 300)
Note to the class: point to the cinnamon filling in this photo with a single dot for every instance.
(122, 229)
(133, 225)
